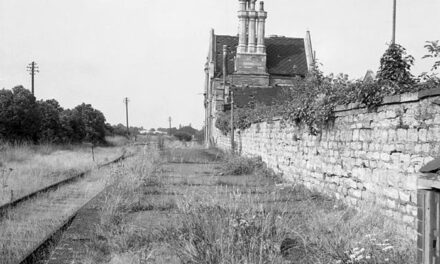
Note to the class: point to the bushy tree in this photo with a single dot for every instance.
(19, 115)
(183, 136)
(50, 126)
(89, 123)
(431, 79)
(121, 130)
(68, 127)
(6, 113)
(433, 48)
(23, 118)
(188, 129)
(395, 69)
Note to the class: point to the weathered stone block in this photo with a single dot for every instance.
(391, 114)
(389, 148)
(425, 148)
(391, 193)
(385, 157)
(422, 135)
(404, 197)
(392, 135)
(413, 135)
(356, 134)
(433, 134)
(409, 182)
(390, 203)
(409, 219)
(402, 134)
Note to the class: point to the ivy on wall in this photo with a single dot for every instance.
(311, 101)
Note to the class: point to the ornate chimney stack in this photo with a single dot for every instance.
(252, 27)
(250, 60)
(243, 17)
(262, 15)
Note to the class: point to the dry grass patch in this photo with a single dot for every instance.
(25, 168)
(24, 227)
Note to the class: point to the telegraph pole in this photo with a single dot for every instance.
(232, 122)
(32, 68)
(169, 121)
(126, 114)
(393, 39)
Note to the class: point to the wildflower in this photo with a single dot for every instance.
(387, 248)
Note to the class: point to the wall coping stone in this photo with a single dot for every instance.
(394, 99)
(388, 100)
(429, 93)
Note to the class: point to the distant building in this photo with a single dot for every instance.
(143, 132)
(251, 64)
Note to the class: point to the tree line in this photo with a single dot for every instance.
(24, 118)
(121, 130)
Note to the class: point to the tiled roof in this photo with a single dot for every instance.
(285, 56)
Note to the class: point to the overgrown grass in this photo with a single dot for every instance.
(241, 165)
(238, 219)
(116, 240)
(25, 168)
(299, 227)
(25, 226)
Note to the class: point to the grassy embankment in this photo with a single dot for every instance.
(189, 207)
(25, 168)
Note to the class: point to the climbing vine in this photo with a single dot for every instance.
(310, 101)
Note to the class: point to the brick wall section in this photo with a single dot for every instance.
(365, 156)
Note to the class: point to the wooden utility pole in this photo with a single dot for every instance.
(126, 114)
(393, 39)
(169, 121)
(232, 122)
(32, 68)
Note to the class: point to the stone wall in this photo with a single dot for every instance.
(371, 156)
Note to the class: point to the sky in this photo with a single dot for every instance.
(154, 51)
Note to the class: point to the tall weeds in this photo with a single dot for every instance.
(234, 227)
(115, 235)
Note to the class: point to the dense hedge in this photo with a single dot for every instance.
(23, 118)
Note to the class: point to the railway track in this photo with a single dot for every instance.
(5, 207)
(49, 205)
